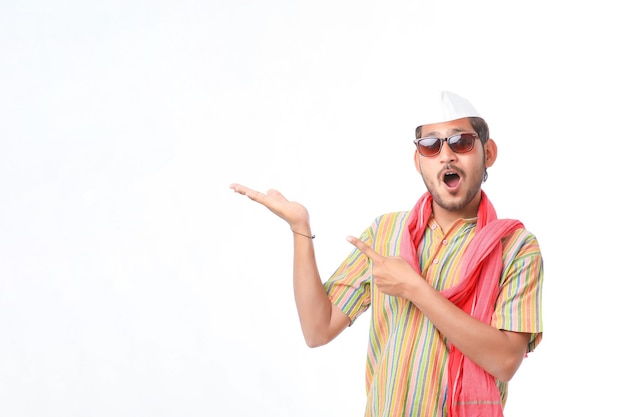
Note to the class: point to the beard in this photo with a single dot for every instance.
(460, 199)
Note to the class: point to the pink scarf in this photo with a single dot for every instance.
(472, 391)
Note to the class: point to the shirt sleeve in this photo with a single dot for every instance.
(349, 286)
(519, 304)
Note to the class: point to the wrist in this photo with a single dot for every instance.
(307, 235)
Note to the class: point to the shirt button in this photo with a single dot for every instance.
(445, 242)
(434, 226)
(435, 261)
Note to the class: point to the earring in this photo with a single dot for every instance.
(485, 175)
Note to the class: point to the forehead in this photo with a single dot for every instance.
(447, 128)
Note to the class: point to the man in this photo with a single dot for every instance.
(454, 292)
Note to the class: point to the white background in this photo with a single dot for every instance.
(134, 282)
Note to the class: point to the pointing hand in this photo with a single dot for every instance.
(392, 274)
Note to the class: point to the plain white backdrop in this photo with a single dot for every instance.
(134, 282)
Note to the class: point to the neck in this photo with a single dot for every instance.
(446, 218)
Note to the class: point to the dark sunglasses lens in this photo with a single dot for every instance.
(429, 146)
(461, 143)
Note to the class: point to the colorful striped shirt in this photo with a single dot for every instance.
(406, 366)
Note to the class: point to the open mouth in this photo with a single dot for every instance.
(451, 179)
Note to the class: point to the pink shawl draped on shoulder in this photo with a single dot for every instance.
(472, 392)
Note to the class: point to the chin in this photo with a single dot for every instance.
(454, 202)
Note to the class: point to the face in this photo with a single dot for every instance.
(454, 179)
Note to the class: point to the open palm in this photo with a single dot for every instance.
(292, 212)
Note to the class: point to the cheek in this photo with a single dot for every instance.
(478, 167)
(427, 168)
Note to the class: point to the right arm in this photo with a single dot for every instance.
(321, 321)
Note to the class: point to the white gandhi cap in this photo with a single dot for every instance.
(442, 106)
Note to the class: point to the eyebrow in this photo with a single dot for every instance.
(437, 133)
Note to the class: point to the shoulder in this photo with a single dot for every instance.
(521, 243)
(388, 227)
(396, 218)
(522, 238)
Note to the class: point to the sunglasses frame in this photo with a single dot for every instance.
(450, 144)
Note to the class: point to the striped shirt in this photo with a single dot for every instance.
(406, 367)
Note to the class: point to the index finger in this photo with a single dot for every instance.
(365, 249)
(249, 192)
(238, 188)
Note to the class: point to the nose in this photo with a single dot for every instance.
(446, 154)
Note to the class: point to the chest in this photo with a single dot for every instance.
(441, 255)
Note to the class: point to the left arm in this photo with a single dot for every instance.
(498, 352)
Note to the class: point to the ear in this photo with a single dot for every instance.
(491, 152)
(416, 159)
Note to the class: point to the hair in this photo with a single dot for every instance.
(479, 125)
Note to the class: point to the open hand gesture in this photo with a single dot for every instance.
(292, 212)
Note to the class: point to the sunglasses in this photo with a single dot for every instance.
(459, 143)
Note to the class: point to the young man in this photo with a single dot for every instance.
(454, 292)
